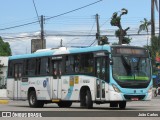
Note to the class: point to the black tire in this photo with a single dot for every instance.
(40, 104)
(65, 104)
(83, 99)
(33, 102)
(114, 104)
(88, 100)
(122, 104)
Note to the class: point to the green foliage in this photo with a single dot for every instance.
(5, 49)
(120, 33)
(124, 11)
(154, 49)
(144, 25)
(115, 21)
(126, 40)
(103, 40)
(115, 43)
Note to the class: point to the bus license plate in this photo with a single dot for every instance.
(134, 99)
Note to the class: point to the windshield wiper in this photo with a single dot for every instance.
(126, 65)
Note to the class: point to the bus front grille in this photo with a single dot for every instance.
(132, 97)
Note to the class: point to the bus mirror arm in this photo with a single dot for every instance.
(111, 61)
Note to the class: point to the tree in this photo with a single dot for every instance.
(144, 27)
(155, 51)
(120, 33)
(5, 49)
(103, 40)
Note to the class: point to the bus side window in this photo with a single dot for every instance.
(69, 64)
(38, 63)
(11, 69)
(87, 63)
(44, 66)
(77, 63)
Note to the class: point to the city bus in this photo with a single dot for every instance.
(91, 75)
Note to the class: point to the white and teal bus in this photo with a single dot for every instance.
(98, 74)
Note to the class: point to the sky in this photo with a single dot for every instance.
(19, 12)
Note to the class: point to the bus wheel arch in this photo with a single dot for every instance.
(32, 99)
(86, 97)
(29, 90)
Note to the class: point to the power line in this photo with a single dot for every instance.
(74, 10)
(71, 35)
(19, 25)
(36, 11)
(91, 30)
(52, 16)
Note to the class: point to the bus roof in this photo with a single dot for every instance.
(64, 50)
(60, 51)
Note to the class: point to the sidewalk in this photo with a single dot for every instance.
(3, 97)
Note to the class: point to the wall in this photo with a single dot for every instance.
(3, 94)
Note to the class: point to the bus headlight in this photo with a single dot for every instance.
(116, 88)
(150, 89)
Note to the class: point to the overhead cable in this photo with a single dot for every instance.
(52, 16)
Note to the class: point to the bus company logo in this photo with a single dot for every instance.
(134, 60)
(44, 83)
(6, 114)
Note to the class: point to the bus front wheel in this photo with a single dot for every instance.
(33, 102)
(122, 104)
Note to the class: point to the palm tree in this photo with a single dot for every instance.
(144, 27)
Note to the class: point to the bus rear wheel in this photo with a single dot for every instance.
(33, 102)
(88, 100)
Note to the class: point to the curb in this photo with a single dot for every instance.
(4, 101)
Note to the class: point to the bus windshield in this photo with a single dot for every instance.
(131, 68)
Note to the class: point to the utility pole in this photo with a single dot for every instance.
(42, 33)
(159, 18)
(152, 20)
(98, 31)
(61, 43)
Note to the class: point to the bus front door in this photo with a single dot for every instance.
(102, 74)
(56, 83)
(17, 81)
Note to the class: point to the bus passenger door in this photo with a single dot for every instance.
(56, 83)
(17, 81)
(102, 74)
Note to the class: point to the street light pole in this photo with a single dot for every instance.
(71, 41)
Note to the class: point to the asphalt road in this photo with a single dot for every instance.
(138, 109)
